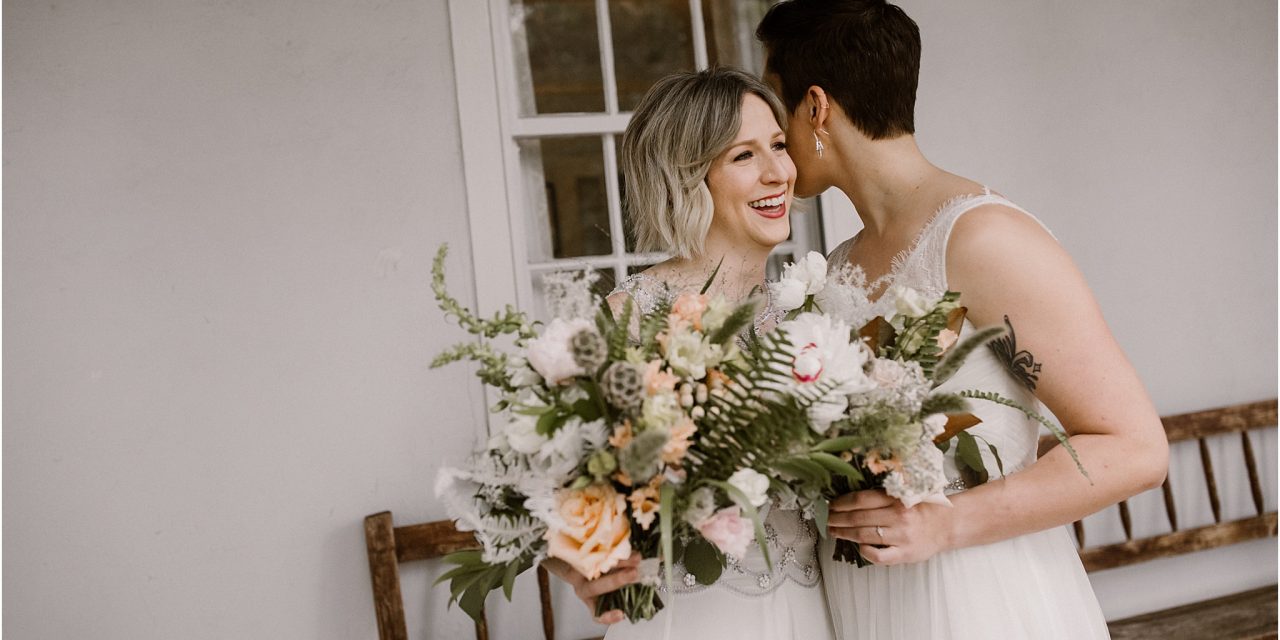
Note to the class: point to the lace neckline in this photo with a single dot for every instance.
(899, 263)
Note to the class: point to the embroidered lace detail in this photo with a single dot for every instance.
(647, 291)
(792, 543)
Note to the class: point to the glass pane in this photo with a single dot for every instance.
(651, 39)
(557, 56)
(568, 211)
(602, 287)
(731, 29)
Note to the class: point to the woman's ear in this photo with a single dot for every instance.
(819, 108)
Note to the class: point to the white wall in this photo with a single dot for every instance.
(219, 218)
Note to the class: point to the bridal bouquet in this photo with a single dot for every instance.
(646, 432)
(890, 427)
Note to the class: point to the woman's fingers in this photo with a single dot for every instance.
(879, 536)
(612, 581)
(869, 499)
(610, 617)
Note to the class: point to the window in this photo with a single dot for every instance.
(545, 92)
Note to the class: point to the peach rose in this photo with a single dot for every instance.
(689, 308)
(596, 534)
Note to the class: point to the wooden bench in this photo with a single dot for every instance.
(1247, 615)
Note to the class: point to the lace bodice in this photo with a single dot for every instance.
(923, 267)
(791, 538)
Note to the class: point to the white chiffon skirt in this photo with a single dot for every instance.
(789, 612)
(1032, 586)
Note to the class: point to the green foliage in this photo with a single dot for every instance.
(943, 403)
(741, 318)
(969, 459)
(508, 321)
(918, 339)
(1057, 431)
(472, 579)
(703, 560)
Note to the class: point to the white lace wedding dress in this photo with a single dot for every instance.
(1031, 586)
(748, 602)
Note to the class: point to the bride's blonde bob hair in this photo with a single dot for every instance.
(682, 124)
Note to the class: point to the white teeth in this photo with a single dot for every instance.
(767, 202)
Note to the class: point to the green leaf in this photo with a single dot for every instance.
(466, 581)
(547, 422)
(666, 496)
(836, 465)
(996, 455)
(468, 557)
(943, 403)
(968, 456)
(703, 560)
(843, 443)
(711, 278)
(1053, 428)
(514, 568)
(472, 601)
(821, 512)
(944, 445)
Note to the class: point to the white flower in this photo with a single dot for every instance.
(934, 425)
(522, 434)
(888, 373)
(718, 310)
(661, 410)
(702, 504)
(753, 484)
(521, 374)
(822, 353)
(804, 277)
(909, 302)
(690, 354)
(920, 479)
(787, 294)
(551, 354)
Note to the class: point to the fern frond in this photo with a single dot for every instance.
(1056, 430)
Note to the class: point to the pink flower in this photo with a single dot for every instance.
(689, 308)
(656, 380)
(728, 530)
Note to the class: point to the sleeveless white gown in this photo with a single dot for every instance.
(1031, 586)
(748, 602)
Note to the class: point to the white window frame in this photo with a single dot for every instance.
(491, 128)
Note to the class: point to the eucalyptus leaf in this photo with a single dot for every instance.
(703, 560)
(821, 512)
(968, 456)
(836, 465)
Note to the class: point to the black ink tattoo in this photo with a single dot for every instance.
(1020, 364)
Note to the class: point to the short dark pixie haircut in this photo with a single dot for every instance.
(864, 53)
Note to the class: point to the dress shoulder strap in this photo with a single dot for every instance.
(925, 266)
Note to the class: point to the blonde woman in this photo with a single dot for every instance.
(709, 182)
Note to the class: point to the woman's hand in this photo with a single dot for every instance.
(588, 590)
(888, 532)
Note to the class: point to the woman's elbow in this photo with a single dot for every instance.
(1151, 459)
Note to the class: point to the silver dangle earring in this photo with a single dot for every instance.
(818, 146)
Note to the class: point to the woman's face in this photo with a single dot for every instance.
(751, 182)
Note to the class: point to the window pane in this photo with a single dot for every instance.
(568, 205)
(557, 56)
(731, 32)
(651, 39)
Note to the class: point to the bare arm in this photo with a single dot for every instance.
(1004, 264)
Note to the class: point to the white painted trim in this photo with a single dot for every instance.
(569, 125)
(840, 220)
(492, 262)
(699, 27)
(604, 34)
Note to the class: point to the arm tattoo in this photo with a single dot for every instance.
(1020, 364)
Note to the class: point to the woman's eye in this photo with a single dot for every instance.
(779, 146)
(745, 155)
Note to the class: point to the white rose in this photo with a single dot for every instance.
(812, 271)
(752, 483)
(787, 294)
(551, 354)
(910, 302)
(522, 434)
